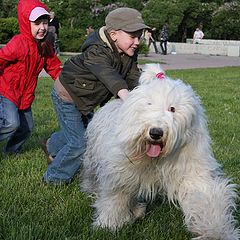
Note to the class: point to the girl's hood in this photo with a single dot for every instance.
(24, 9)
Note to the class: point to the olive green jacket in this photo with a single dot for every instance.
(99, 72)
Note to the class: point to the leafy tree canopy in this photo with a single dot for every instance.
(217, 18)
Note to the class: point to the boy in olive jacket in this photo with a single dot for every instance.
(106, 67)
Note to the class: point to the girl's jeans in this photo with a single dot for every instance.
(66, 145)
(15, 125)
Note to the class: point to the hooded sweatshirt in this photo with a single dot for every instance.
(20, 62)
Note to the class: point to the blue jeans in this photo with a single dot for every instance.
(66, 145)
(15, 125)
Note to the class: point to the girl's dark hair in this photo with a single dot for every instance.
(46, 46)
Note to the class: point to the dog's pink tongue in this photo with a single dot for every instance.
(153, 150)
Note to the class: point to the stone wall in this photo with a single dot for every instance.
(217, 42)
(206, 47)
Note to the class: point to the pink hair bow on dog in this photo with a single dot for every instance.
(160, 75)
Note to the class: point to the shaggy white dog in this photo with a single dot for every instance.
(155, 142)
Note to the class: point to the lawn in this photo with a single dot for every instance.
(32, 211)
(141, 60)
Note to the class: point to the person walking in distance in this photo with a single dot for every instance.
(152, 39)
(164, 39)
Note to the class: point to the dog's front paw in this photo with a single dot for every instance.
(113, 223)
(139, 210)
(112, 219)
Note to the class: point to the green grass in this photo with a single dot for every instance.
(145, 61)
(141, 60)
(30, 210)
(63, 58)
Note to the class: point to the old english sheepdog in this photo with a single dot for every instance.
(157, 142)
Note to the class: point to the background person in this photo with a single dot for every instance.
(53, 24)
(53, 29)
(146, 36)
(164, 39)
(152, 39)
(198, 36)
(105, 68)
(21, 61)
(89, 30)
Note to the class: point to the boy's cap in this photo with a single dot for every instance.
(126, 19)
(37, 12)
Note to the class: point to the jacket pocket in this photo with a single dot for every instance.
(85, 84)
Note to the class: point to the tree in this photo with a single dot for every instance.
(178, 14)
(8, 8)
(225, 24)
(71, 13)
(217, 18)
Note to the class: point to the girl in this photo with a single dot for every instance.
(21, 61)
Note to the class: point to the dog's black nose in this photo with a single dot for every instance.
(156, 133)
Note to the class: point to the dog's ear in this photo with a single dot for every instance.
(150, 72)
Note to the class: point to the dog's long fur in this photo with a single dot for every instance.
(118, 167)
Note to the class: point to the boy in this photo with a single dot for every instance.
(21, 61)
(105, 68)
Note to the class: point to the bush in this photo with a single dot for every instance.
(8, 28)
(143, 48)
(71, 39)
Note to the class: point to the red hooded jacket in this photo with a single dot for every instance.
(20, 62)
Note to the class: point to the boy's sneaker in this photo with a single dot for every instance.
(43, 144)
